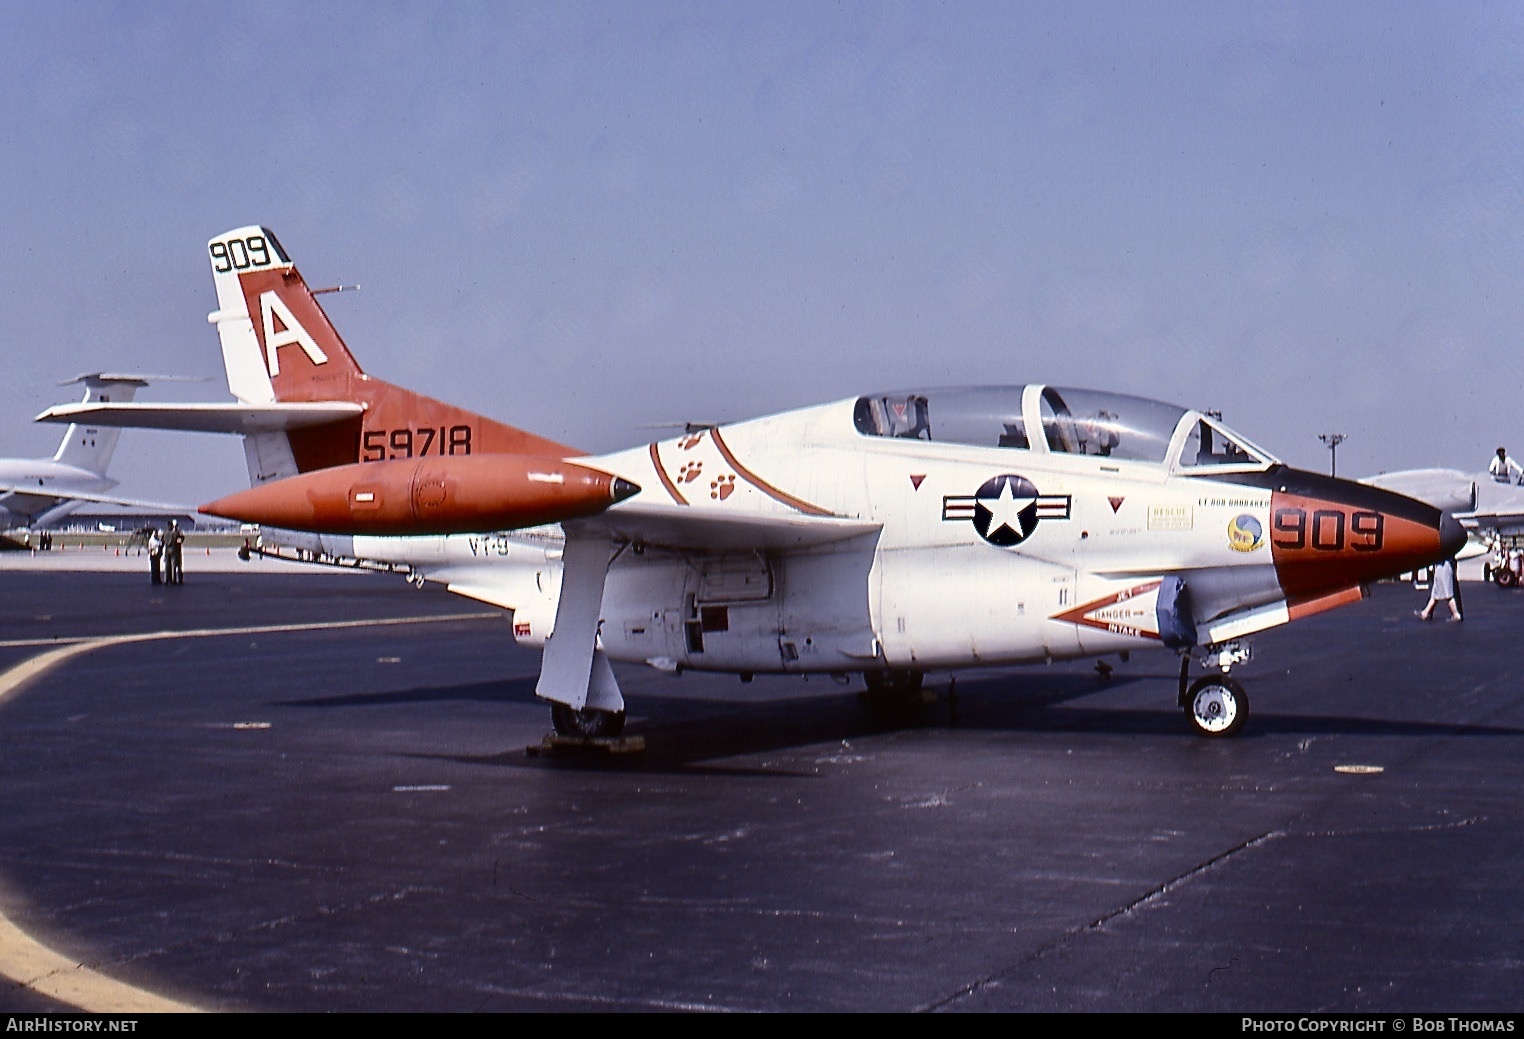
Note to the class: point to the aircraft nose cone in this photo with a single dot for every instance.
(1452, 536)
(623, 489)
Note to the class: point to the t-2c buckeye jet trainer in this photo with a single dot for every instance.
(886, 535)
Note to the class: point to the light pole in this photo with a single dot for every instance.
(1333, 440)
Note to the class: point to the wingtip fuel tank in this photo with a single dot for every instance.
(459, 495)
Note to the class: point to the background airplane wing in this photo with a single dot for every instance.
(28, 501)
(206, 418)
(1448, 490)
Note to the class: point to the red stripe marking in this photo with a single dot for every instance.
(666, 481)
(761, 484)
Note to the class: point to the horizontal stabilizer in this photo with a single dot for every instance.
(134, 378)
(206, 418)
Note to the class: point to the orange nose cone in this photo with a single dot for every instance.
(1328, 534)
(467, 494)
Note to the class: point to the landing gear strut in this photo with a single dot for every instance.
(589, 723)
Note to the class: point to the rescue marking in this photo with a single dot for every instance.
(1005, 509)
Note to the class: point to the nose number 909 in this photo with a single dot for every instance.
(1327, 530)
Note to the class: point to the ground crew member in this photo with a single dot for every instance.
(174, 554)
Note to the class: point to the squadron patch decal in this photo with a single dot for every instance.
(1245, 533)
(1005, 509)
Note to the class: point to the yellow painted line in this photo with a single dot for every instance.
(33, 965)
(36, 967)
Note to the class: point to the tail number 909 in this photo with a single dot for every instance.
(1328, 530)
(240, 254)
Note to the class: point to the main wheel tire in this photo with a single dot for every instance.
(589, 723)
(1506, 578)
(1216, 706)
(903, 683)
(892, 690)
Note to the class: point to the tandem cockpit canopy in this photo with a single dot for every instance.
(1053, 420)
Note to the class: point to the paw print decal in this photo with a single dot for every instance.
(689, 472)
(689, 442)
(722, 488)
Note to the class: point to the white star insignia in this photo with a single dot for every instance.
(1005, 511)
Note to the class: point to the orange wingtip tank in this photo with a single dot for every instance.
(461, 495)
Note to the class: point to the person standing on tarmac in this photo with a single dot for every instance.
(155, 555)
(1443, 588)
(174, 554)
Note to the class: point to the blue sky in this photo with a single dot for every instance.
(585, 218)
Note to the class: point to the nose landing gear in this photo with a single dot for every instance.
(1215, 705)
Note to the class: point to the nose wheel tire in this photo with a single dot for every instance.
(1216, 706)
(589, 723)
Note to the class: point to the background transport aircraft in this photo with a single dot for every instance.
(1484, 505)
(1491, 509)
(886, 535)
(38, 492)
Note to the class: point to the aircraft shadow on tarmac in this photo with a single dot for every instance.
(685, 733)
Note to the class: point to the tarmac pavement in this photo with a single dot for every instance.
(245, 809)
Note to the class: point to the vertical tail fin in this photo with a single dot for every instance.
(279, 345)
(91, 447)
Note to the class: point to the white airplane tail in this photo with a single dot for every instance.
(90, 447)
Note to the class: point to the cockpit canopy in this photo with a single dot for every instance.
(1050, 420)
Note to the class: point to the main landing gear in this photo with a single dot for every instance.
(894, 689)
(1215, 705)
(586, 731)
(588, 723)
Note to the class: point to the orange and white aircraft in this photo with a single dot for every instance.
(886, 535)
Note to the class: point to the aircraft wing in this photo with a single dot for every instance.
(1478, 501)
(1448, 490)
(680, 528)
(206, 418)
(27, 501)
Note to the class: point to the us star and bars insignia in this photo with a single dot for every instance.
(1005, 509)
